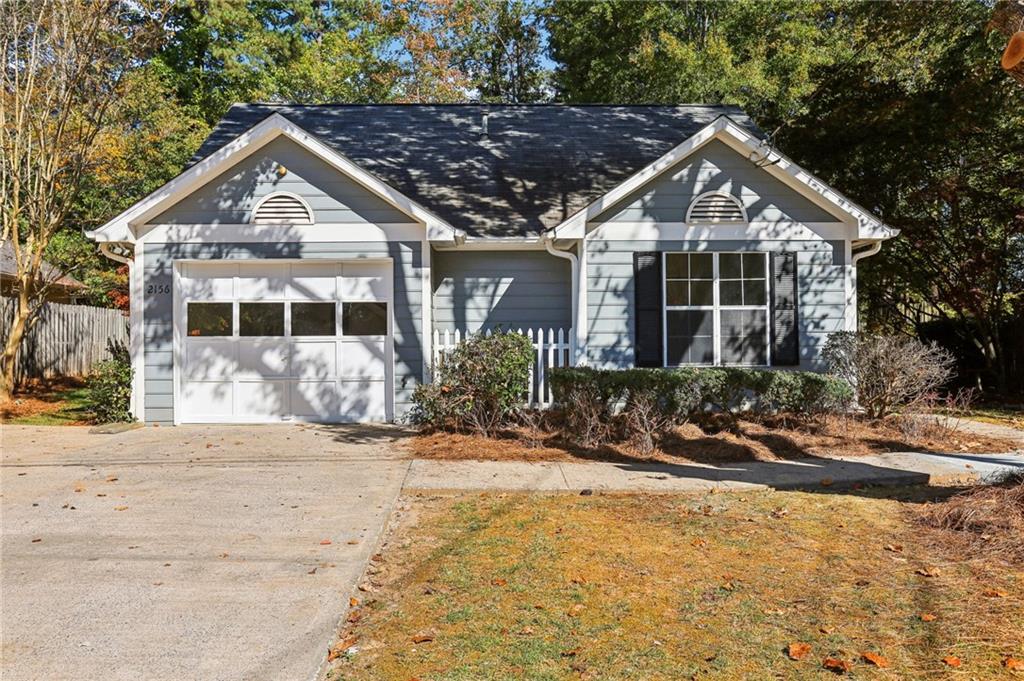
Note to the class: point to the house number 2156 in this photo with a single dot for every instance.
(158, 288)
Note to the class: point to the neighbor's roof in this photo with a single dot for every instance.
(535, 166)
(9, 268)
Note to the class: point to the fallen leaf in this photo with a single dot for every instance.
(224, 555)
(699, 542)
(352, 542)
(579, 580)
(575, 610)
(952, 661)
(570, 653)
(994, 593)
(79, 487)
(422, 638)
(325, 542)
(836, 665)
(101, 495)
(928, 571)
(798, 650)
(526, 631)
(37, 540)
(111, 478)
(1013, 663)
(312, 572)
(341, 647)
(498, 581)
(353, 602)
(928, 617)
(895, 548)
(120, 508)
(862, 582)
(826, 630)
(875, 659)
(827, 482)
(354, 617)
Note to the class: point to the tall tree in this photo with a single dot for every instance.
(65, 65)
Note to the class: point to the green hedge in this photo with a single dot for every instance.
(686, 391)
(109, 387)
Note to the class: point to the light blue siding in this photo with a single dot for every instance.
(476, 290)
(611, 307)
(715, 167)
(230, 197)
(158, 327)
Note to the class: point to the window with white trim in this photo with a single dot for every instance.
(716, 309)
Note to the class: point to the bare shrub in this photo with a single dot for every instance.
(937, 416)
(533, 431)
(989, 519)
(586, 416)
(646, 419)
(887, 372)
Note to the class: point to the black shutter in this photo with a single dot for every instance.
(647, 289)
(785, 334)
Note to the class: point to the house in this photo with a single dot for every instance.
(298, 268)
(62, 288)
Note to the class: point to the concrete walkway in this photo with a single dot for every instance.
(185, 553)
(885, 469)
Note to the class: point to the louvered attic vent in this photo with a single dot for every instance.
(716, 208)
(282, 208)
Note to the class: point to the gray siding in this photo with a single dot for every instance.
(610, 301)
(509, 289)
(715, 167)
(158, 308)
(230, 197)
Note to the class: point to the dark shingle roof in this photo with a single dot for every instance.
(536, 166)
(48, 273)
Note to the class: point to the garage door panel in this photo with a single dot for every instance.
(262, 359)
(312, 399)
(314, 281)
(209, 360)
(314, 359)
(362, 400)
(364, 281)
(208, 282)
(264, 282)
(208, 400)
(263, 399)
(362, 357)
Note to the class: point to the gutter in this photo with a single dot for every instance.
(105, 249)
(867, 253)
(549, 245)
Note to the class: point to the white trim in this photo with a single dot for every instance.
(752, 231)
(249, 233)
(427, 306)
(290, 195)
(716, 223)
(530, 243)
(136, 331)
(122, 227)
(716, 308)
(574, 227)
(574, 287)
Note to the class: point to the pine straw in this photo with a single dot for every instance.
(715, 440)
(985, 522)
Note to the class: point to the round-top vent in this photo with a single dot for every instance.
(282, 208)
(716, 207)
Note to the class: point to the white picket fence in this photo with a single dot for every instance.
(552, 348)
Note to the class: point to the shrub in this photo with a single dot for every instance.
(887, 372)
(479, 385)
(109, 387)
(653, 400)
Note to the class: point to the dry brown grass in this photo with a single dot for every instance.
(984, 523)
(671, 587)
(718, 440)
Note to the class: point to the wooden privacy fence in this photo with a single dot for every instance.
(66, 340)
(551, 349)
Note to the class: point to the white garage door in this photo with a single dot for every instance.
(265, 342)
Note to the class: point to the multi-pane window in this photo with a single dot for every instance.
(716, 308)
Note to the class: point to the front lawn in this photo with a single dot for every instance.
(61, 402)
(502, 586)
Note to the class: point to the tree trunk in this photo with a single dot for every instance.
(19, 324)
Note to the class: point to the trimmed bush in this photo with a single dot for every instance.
(109, 387)
(478, 386)
(653, 400)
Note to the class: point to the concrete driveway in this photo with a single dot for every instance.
(185, 553)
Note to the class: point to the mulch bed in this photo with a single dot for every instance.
(769, 439)
(39, 396)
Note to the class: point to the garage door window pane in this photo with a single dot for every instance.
(261, 319)
(209, 319)
(364, 319)
(313, 319)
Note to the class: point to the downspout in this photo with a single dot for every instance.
(549, 245)
(116, 257)
(856, 258)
